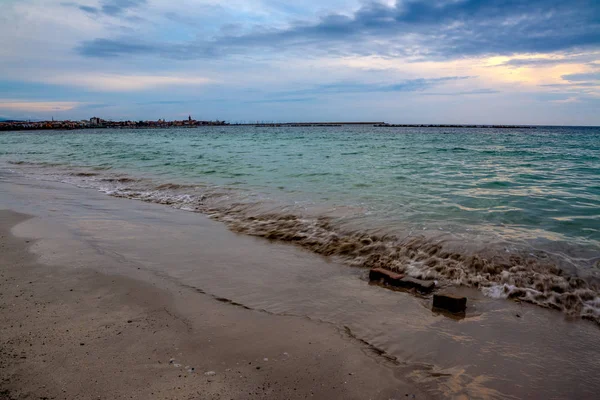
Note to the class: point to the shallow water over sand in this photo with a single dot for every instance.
(492, 353)
(552, 274)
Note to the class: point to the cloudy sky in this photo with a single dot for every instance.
(407, 61)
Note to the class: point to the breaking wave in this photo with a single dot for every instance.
(518, 275)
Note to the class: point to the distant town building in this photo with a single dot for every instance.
(96, 123)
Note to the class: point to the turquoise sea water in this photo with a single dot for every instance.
(514, 198)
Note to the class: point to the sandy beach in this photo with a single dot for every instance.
(82, 334)
(110, 298)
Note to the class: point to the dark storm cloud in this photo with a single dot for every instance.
(110, 48)
(430, 29)
(463, 93)
(110, 7)
(584, 77)
(410, 85)
(548, 62)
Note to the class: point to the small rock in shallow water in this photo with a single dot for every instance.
(385, 276)
(449, 302)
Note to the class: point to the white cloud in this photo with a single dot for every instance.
(126, 83)
(567, 100)
(37, 106)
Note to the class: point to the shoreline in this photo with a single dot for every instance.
(197, 263)
(490, 268)
(79, 333)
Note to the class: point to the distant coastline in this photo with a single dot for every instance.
(385, 125)
(98, 123)
(455, 126)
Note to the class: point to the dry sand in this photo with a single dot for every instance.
(80, 334)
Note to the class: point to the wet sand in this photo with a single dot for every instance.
(76, 333)
(240, 299)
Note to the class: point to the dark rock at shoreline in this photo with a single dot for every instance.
(385, 276)
(380, 275)
(449, 302)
